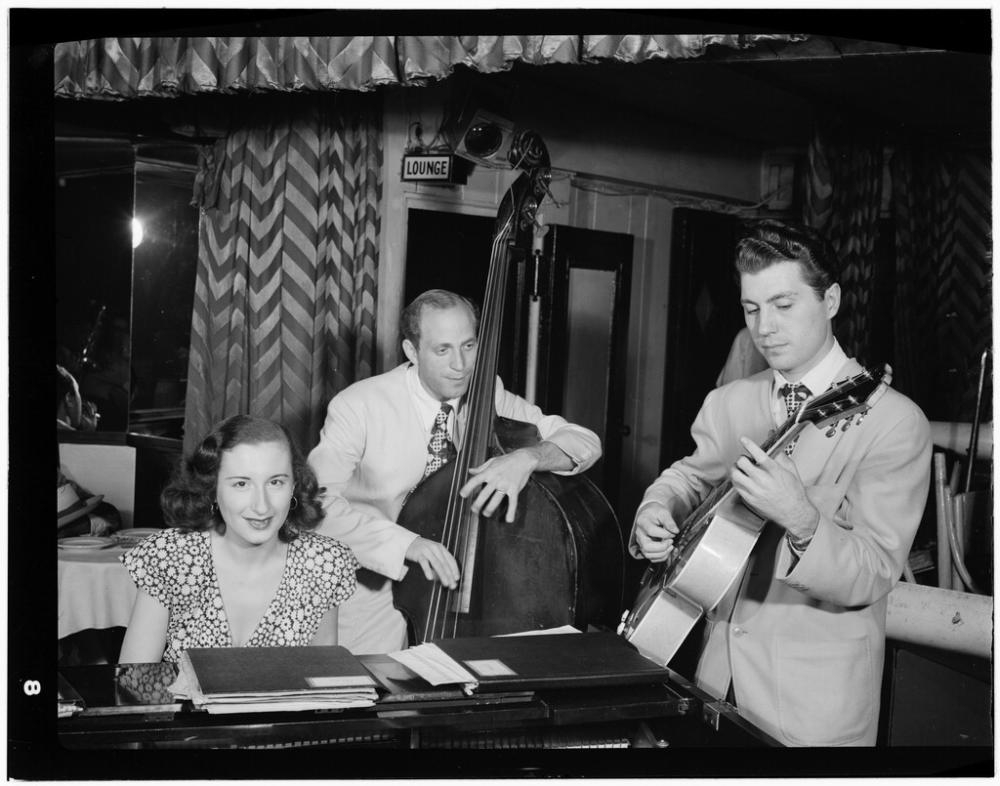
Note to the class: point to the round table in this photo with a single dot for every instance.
(95, 590)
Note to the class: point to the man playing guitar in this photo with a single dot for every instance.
(799, 640)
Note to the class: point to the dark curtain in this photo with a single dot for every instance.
(939, 300)
(942, 210)
(843, 196)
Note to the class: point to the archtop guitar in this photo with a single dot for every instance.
(714, 542)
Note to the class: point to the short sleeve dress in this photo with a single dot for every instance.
(175, 567)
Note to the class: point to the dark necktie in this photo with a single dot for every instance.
(440, 449)
(793, 394)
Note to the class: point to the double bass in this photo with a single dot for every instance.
(561, 561)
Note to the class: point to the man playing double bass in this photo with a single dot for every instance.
(382, 435)
(798, 643)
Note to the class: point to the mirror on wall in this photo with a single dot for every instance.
(93, 205)
(164, 259)
(126, 252)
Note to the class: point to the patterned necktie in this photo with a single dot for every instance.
(793, 394)
(440, 449)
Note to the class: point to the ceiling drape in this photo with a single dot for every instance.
(126, 68)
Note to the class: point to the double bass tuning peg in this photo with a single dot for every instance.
(528, 210)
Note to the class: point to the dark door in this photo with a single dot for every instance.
(703, 317)
(452, 251)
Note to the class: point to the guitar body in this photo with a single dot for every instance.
(708, 567)
(673, 595)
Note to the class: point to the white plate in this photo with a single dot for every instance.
(86, 542)
(138, 532)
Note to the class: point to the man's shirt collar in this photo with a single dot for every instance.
(822, 375)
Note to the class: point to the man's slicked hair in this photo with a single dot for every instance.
(768, 242)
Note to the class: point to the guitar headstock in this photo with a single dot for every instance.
(853, 396)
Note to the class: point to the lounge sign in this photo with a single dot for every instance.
(424, 167)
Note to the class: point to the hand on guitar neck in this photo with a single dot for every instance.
(772, 487)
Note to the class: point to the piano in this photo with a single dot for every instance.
(128, 707)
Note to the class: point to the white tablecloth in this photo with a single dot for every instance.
(95, 590)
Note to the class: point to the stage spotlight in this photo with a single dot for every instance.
(486, 140)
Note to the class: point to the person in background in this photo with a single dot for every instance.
(384, 434)
(239, 565)
(743, 360)
(78, 511)
(110, 382)
(69, 405)
(73, 413)
(798, 643)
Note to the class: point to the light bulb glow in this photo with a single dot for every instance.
(136, 232)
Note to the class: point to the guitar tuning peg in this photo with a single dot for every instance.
(847, 423)
(860, 417)
(832, 430)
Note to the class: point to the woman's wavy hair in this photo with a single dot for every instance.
(188, 503)
(767, 241)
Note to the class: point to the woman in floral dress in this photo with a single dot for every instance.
(238, 566)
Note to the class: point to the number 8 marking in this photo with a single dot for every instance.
(32, 687)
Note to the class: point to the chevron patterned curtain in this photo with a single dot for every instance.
(941, 203)
(284, 312)
(123, 68)
(843, 196)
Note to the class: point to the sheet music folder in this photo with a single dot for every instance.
(236, 671)
(552, 661)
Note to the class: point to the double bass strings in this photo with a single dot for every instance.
(455, 536)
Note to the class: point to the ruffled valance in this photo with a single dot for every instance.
(124, 68)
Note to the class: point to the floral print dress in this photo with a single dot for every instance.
(176, 567)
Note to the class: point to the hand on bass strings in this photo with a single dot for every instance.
(502, 477)
(772, 487)
(435, 560)
(655, 529)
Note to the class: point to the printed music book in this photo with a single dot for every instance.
(534, 662)
(272, 679)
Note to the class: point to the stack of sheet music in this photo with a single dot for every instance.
(532, 662)
(273, 679)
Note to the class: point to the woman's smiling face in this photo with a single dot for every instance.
(254, 491)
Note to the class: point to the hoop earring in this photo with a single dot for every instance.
(294, 504)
